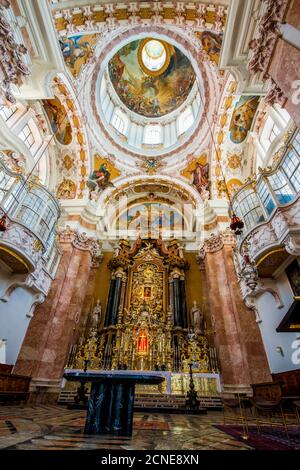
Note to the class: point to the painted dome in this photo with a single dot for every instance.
(151, 77)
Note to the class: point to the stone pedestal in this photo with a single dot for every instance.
(110, 407)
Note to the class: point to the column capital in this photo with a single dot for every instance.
(215, 243)
(83, 242)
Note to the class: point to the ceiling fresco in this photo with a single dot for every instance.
(77, 50)
(150, 216)
(59, 121)
(101, 177)
(151, 77)
(242, 118)
(197, 172)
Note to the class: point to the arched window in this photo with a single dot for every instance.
(6, 112)
(269, 133)
(31, 136)
(119, 121)
(26, 135)
(153, 135)
(185, 120)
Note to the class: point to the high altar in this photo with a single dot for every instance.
(146, 326)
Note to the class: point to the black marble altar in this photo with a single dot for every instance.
(110, 407)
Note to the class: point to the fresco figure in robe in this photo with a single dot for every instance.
(99, 179)
(201, 177)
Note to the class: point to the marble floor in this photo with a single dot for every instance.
(57, 428)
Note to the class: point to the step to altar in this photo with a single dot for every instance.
(155, 402)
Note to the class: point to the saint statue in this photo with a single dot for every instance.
(197, 318)
(96, 314)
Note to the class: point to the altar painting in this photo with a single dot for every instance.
(153, 217)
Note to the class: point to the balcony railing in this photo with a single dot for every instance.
(268, 205)
(29, 243)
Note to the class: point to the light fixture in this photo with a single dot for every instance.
(236, 225)
(3, 224)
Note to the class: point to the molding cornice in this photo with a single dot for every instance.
(81, 241)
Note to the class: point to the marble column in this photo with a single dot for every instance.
(38, 330)
(111, 296)
(88, 304)
(237, 338)
(284, 70)
(46, 346)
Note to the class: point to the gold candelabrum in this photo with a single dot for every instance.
(144, 334)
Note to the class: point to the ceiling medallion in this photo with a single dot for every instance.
(154, 56)
(151, 166)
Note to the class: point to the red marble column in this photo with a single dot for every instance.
(248, 330)
(284, 70)
(237, 337)
(38, 330)
(89, 300)
(47, 342)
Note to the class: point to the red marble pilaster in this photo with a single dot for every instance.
(88, 303)
(38, 330)
(284, 70)
(236, 333)
(47, 342)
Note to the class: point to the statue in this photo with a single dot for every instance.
(96, 314)
(197, 318)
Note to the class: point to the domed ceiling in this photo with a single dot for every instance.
(151, 77)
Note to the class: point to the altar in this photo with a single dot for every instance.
(147, 326)
(111, 402)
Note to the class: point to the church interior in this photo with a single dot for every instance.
(150, 224)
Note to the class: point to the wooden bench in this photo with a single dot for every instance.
(13, 388)
(290, 382)
(267, 392)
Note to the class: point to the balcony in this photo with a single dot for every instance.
(270, 209)
(28, 246)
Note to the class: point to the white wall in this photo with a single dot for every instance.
(13, 320)
(271, 317)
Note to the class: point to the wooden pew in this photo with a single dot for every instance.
(13, 388)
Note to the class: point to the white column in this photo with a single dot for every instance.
(109, 111)
(139, 136)
(105, 103)
(173, 132)
(277, 118)
(132, 134)
(195, 108)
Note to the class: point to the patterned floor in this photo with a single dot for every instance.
(55, 427)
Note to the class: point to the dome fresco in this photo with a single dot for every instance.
(151, 77)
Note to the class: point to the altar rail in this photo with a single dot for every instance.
(206, 385)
